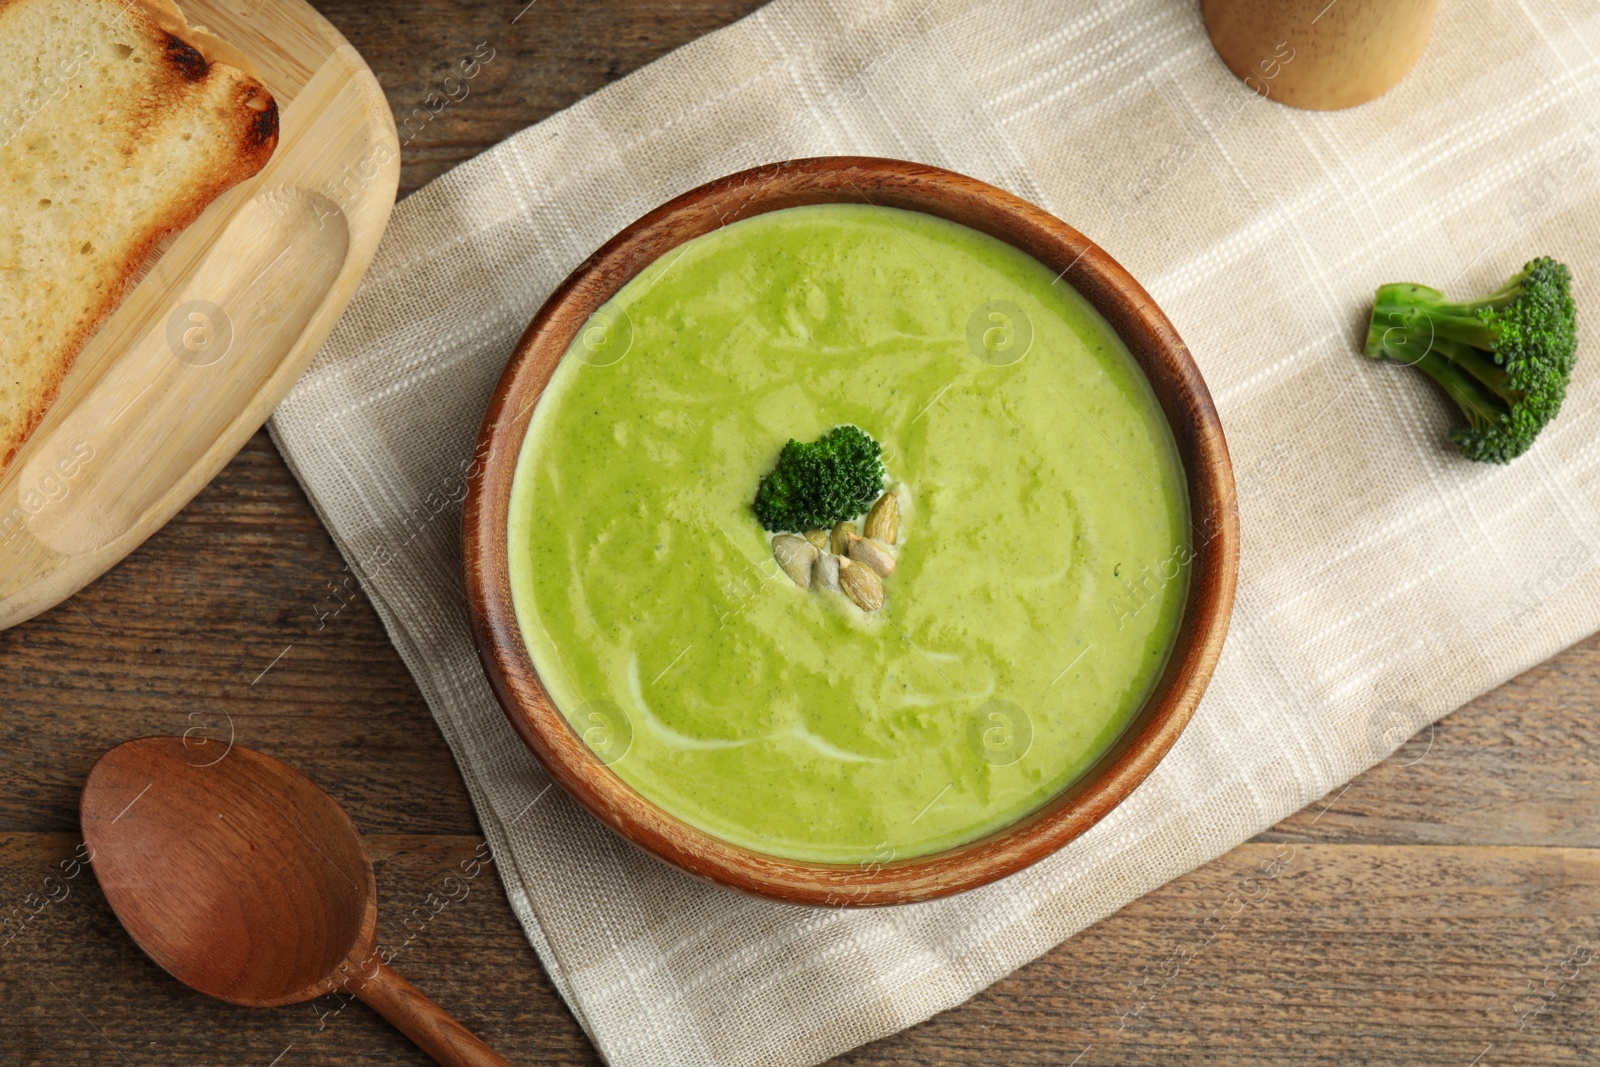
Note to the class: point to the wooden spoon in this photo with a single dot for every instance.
(248, 883)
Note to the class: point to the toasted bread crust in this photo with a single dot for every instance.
(165, 13)
(251, 124)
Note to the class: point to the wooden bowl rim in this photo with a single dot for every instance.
(1147, 332)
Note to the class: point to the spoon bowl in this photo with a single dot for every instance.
(245, 881)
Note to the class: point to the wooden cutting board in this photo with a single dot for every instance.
(226, 320)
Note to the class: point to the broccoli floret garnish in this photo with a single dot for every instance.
(1504, 360)
(815, 485)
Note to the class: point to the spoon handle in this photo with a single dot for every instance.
(423, 1021)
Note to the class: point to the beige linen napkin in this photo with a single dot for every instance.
(1385, 581)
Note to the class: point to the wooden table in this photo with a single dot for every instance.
(1440, 910)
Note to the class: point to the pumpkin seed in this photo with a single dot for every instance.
(825, 571)
(883, 521)
(873, 554)
(795, 555)
(862, 584)
(839, 539)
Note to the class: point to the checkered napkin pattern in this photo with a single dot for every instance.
(1384, 580)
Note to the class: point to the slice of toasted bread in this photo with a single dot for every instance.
(115, 131)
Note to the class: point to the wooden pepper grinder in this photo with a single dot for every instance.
(1316, 53)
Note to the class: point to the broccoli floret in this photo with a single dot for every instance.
(815, 485)
(1504, 360)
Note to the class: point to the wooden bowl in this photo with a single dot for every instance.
(891, 183)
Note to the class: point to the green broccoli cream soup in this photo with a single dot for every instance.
(1038, 582)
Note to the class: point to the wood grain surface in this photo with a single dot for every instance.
(1444, 909)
